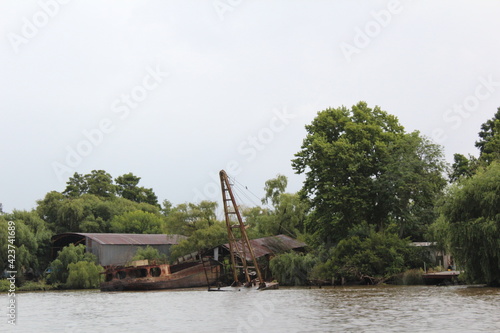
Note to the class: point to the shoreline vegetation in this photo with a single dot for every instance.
(370, 189)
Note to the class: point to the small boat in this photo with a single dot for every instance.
(143, 276)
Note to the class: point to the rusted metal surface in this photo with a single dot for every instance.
(154, 277)
(272, 245)
(239, 243)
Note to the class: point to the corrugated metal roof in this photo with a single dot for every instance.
(130, 239)
(271, 245)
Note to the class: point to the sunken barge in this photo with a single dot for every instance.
(143, 276)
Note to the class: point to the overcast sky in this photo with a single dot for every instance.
(174, 91)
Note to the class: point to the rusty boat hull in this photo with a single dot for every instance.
(157, 277)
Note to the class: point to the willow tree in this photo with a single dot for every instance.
(362, 168)
(471, 219)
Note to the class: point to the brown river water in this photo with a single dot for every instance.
(340, 309)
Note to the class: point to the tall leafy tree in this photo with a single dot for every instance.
(462, 167)
(186, 218)
(362, 167)
(471, 224)
(100, 183)
(489, 142)
(127, 187)
(137, 222)
(97, 182)
(76, 185)
(274, 188)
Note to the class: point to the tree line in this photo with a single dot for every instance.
(370, 189)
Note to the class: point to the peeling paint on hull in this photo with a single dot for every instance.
(124, 278)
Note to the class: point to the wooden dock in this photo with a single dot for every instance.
(441, 277)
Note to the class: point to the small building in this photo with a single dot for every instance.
(271, 246)
(264, 248)
(115, 249)
(437, 256)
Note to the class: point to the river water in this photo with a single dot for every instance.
(340, 309)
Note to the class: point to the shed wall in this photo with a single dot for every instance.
(120, 254)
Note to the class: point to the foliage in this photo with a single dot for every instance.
(462, 167)
(87, 213)
(98, 182)
(471, 218)
(35, 286)
(286, 217)
(410, 277)
(262, 222)
(292, 268)
(184, 219)
(84, 275)
(489, 144)
(376, 257)
(201, 239)
(361, 166)
(32, 241)
(59, 268)
(137, 222)
(126, 187)
(149, 253)
(4, 285)
(274, 188)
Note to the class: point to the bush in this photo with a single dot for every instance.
(35, 286)
(372, 259)
(71, 254)
(410, 277)
(84, 275)
(149, 253)
(292, 269)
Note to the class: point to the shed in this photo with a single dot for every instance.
(115, 249)
(271, 245)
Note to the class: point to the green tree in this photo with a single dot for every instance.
(370, 259)
(97, 182)
(274, 188)
(167, 207)
(149, 253)
(462, 167)
(471, 220)
(489, 142)
(261, 221)
(76, 185)
(71, 254)
(32, 242)
(286, 216)
(137, 222)
(127, 187)
(292, 268)
(69, 215)
(201, 239)
(48, 208)
(361, 166)
(84, 275)
(184, 219)
(100, 183)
